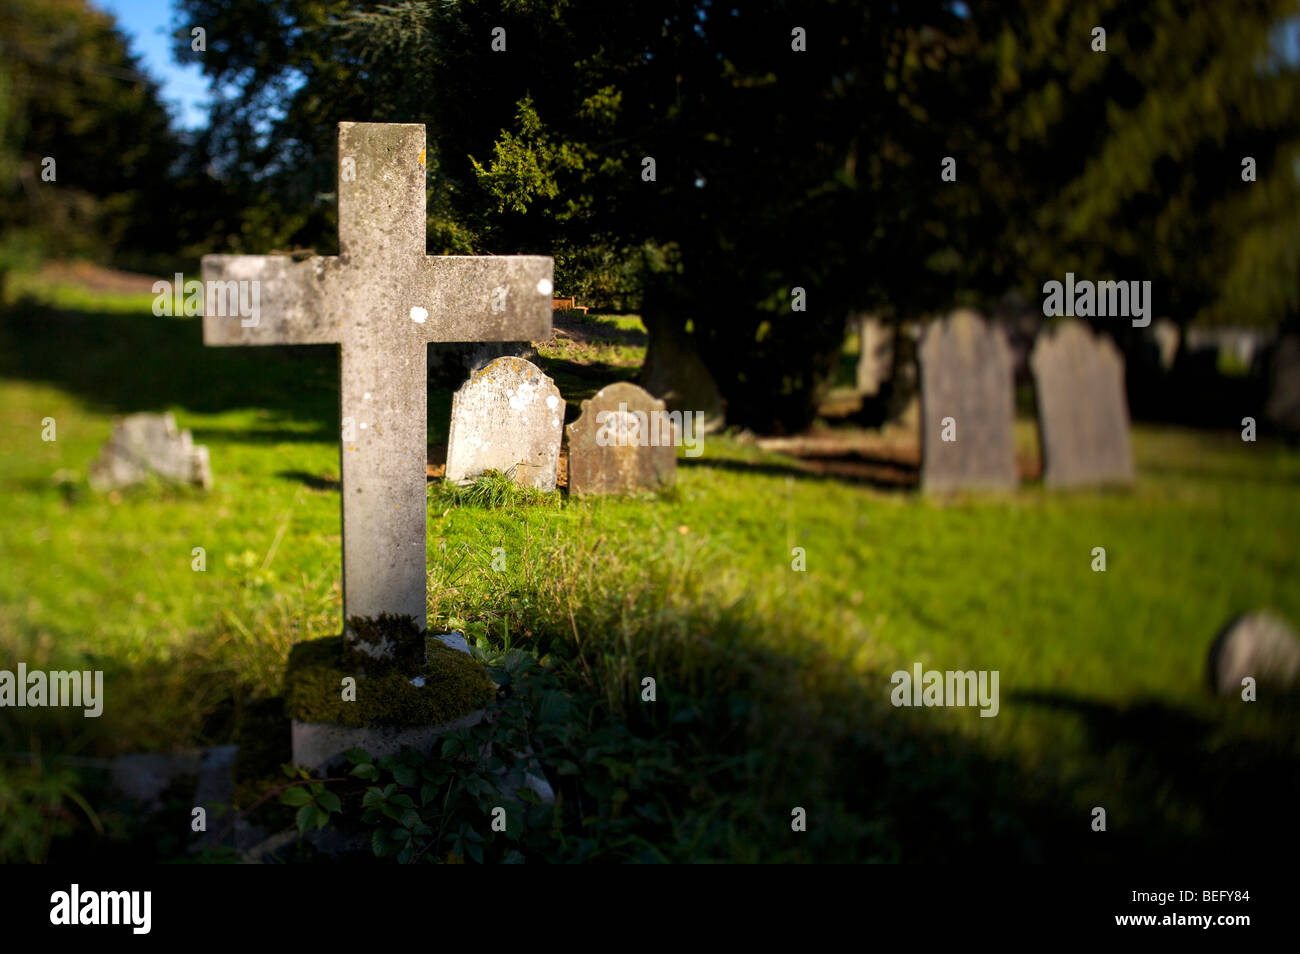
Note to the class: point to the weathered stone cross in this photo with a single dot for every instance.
(383, 300)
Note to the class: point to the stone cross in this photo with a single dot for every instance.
(383, 300)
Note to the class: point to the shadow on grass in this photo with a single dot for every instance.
(123, 363)
(851, 468)
(311, 481)
(749, 733)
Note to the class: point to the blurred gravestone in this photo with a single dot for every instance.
(1082, 409)
(507, 417)
(1166, 336)
(967, 397)
(901, 390)
(1258, 645)
(875, 353)
(145, 445)
(621, 443)
(1283, 403)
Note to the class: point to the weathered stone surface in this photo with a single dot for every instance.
(1283, 403)
(507, 417)
(966, 376)
(875, 353)
(320, 745)
(1259, 645)
(1083, 419)
(150, 444)
(622, 443)
(383, 300)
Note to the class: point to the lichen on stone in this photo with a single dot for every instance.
(454, 684)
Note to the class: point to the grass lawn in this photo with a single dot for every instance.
(772, 685)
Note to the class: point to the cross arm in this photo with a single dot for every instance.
(268, 300)
(483, 297)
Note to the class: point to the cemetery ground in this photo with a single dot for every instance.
(771, 686)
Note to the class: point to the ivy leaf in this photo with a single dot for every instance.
(330, 802)
(306, 818)
(357, 756)
(367, 771)
(296, 796)
(406, 775)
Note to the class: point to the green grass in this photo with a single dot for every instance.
(772, 684)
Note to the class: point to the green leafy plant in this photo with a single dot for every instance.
(315, 803)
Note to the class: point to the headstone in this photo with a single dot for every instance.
(1259, 645)
(1082, 409)
(675, 372)
(382, 299)
(1166, 335)
(1282, 406)
(902, 389)
(875, 353)
(622, 443)
(967, 406)
(150, 444)
(507, 417)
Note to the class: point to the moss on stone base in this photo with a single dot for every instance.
(454, 685)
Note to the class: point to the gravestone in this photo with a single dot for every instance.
(967, 395)
(875, 353)
(1259, 645)
(1083, 419)
(382, 300)
(622, 443)
(1166, 336)
(1282, 406)
(150, 444)
(507, 417)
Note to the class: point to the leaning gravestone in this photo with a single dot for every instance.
(145, 445)
(1082, 409)
(622, 443)
(507, 417)
(383, 300)
(967, 406)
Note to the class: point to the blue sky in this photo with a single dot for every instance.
(146, 24)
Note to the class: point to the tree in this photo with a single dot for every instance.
(71, 92)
